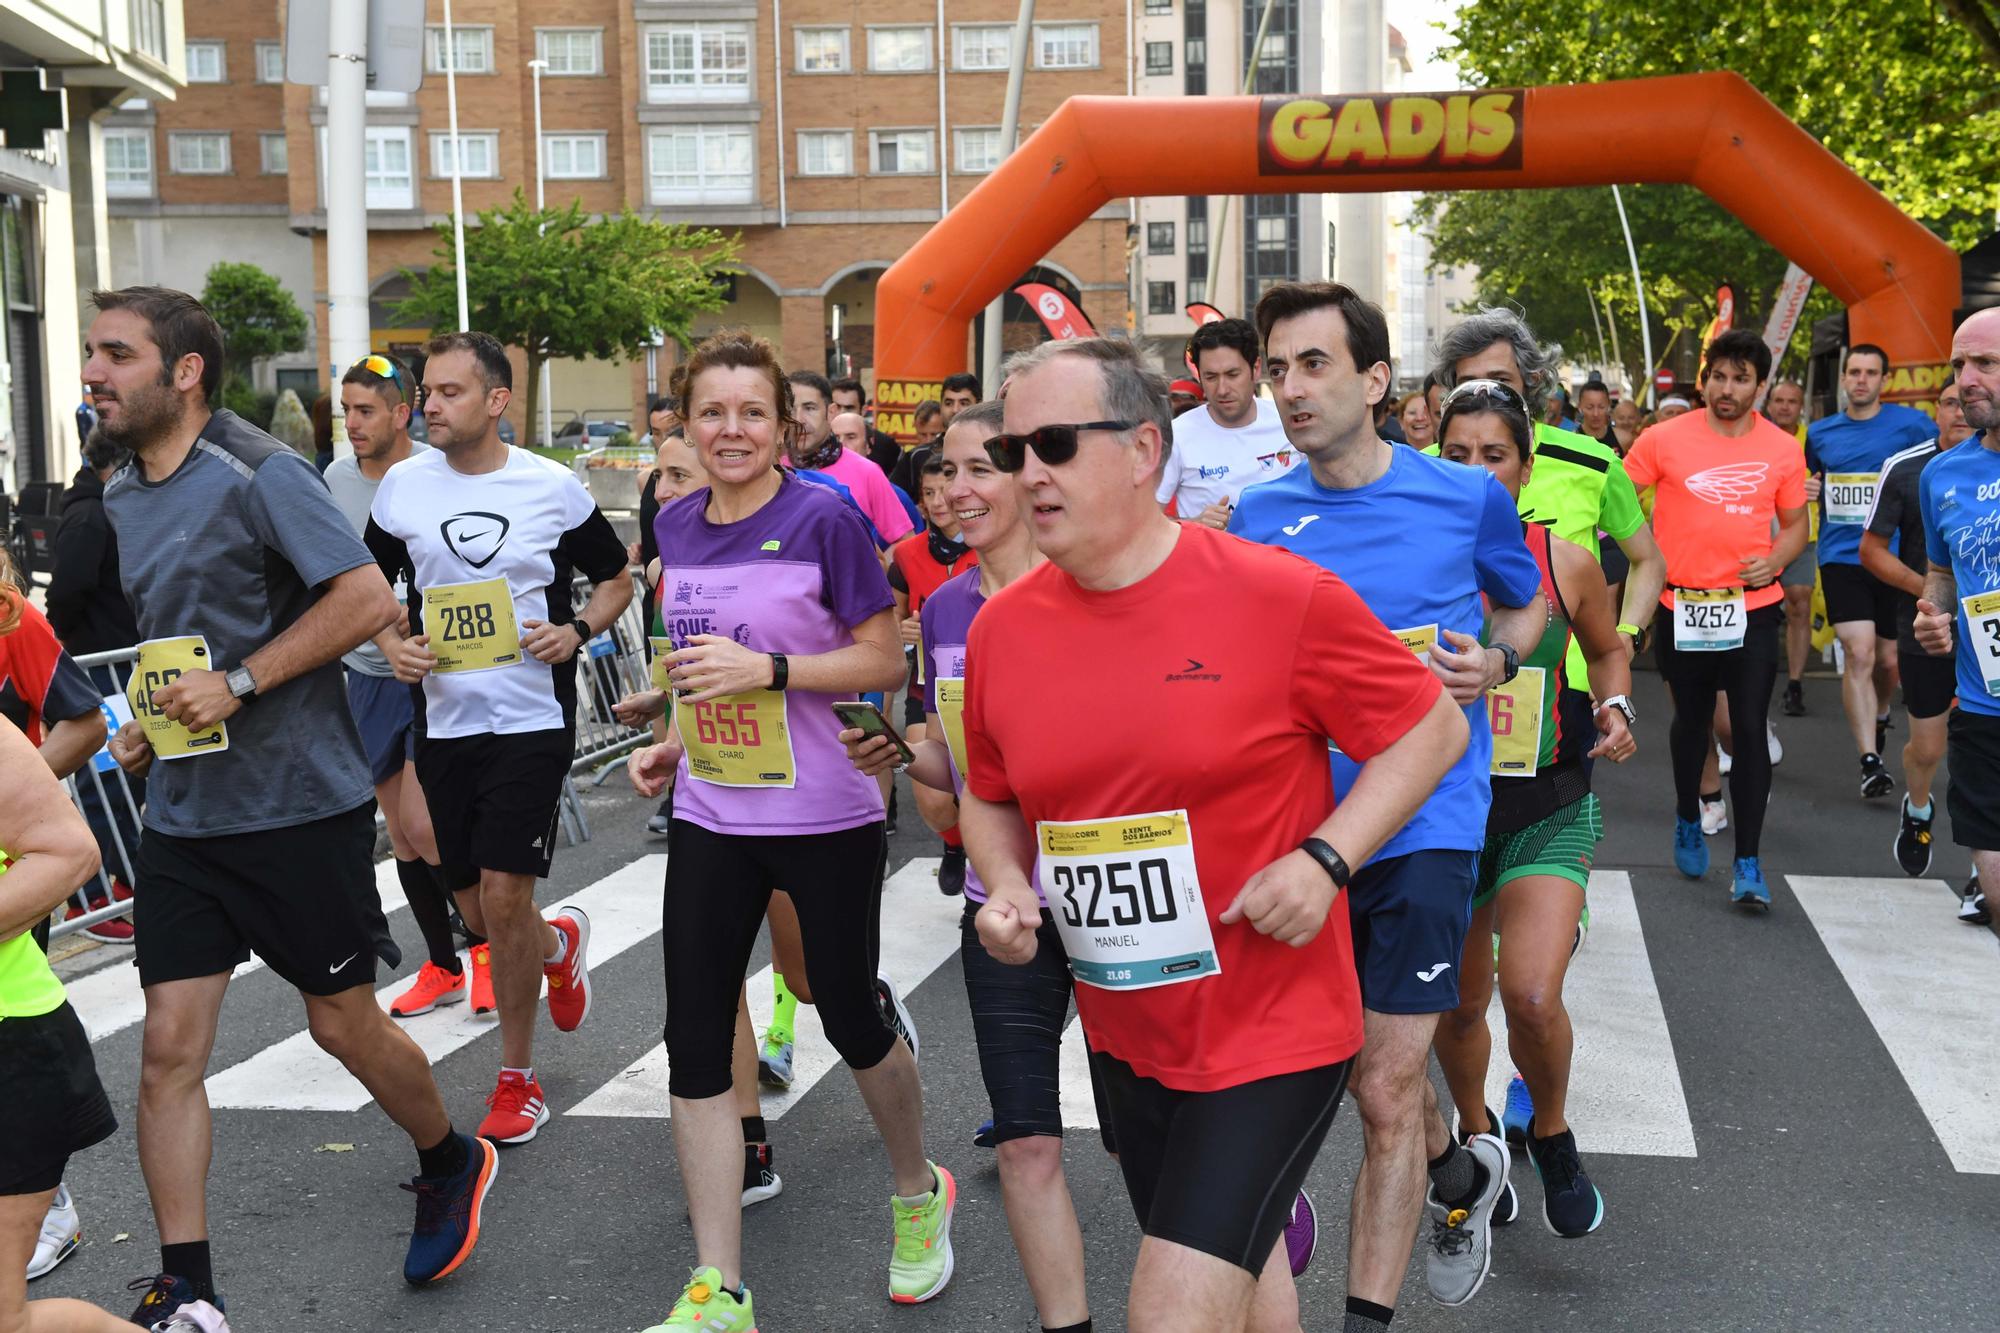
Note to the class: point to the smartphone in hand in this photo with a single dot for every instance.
(867, 718)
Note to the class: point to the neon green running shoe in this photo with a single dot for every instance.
(921, 1263)
(774, 1059)
(706, 1305)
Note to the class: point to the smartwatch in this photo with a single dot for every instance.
(242, 684)
(1624, 705)
(584, 633)
(780, 672)
(1510, 659)
(1329, 860)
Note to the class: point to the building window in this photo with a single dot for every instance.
(826, 152)
(128, 163)
(698, 62)
(1198, 290)
(1270, 243)
(1159, 57)
(571, 51)
(1277, 61)
(982, 46)
(899, 50)
(901, 152)
(1065, 45)
(149, 28)
(199, 154)
(388, 174)
(273, 157)
(204, 62)
(270, 62)
(977, 149)
(702, 164)
(1194, 48)
(1160, 298)
(822, 50)
(1159, 6)
(573, 157)
(479, 152)
(1159, 238)
(472, 49)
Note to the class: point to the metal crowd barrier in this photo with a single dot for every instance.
(611, 666)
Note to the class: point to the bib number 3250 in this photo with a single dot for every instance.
(1126, 900)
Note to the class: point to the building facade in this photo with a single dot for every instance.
(829, 133)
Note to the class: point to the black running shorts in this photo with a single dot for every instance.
(1852, 593)
(1929, 683)
(55, 1105)
(494, 800)
(1973, 797)
(302, 896)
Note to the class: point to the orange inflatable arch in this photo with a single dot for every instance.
(1713, 131)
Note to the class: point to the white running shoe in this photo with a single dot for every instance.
(1714, 817)
(1777, 746)
(62, 1233)
(197, 1317)
(1723, 763)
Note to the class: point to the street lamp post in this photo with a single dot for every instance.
(541, 173)
(457, 168)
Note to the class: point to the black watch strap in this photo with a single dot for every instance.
(780, 671)
(1330, 861)
(1510, 657)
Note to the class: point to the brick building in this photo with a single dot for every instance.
(830, 143)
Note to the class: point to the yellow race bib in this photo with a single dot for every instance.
(1125, 898)
(1982, 624)
(161, 663)
(662, 645)
(1515, 712)
(471, 626)
(739, 740)
(951, 712)
(1419, 640)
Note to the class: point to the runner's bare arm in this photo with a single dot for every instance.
(48, 845)
(1790, 541)
(1002, 850)
(1395, 783)
(1580, 580)
(712, 665)
(72, 741)
(1878, 560)
(1936, 611)
(1646, 578)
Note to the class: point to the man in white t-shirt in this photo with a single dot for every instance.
(1233, 440)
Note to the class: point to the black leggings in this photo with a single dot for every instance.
(718, 886)
(1745, 676)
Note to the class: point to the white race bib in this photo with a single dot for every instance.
(1982, 633)
(1849, 496)
(1708, 620)
(1126, 900)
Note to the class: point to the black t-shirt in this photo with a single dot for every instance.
(1898, 511)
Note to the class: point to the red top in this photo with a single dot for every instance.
(922, 574)
(1215, 684)
(1716, 499)
(40, 684)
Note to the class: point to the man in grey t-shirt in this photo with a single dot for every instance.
(259, 828)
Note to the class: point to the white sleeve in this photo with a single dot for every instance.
(1170, 478)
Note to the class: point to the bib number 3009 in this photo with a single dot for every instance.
(1127, 901)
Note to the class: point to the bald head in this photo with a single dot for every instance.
(1975, 362)
(851, 431)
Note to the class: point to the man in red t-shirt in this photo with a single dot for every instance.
(1192, 880)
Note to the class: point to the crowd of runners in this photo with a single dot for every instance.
(1389, 669)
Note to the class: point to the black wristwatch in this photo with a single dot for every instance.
(1329, 860)
(780, 672)
(1510, 661)
(241, 684)
(583, 630)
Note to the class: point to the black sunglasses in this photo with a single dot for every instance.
(1054, 445)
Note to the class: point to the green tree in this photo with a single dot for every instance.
(258, 316)
(558, 283)
(1904, 94)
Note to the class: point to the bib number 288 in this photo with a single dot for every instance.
(1117, 893)
(468, 622)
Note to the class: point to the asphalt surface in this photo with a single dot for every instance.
(1819, 1192)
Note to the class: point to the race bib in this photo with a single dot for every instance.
(662, 645)
(1126, 900)
(951, 712)
(471, 626)
(739, 740)
(1982, 631)
(1708, 620)
(1515, 711)
(1849, 496)
(1418, 640)
(161, 663)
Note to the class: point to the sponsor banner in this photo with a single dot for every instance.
(1057, 312)
(896, 406)
(1915, 384)
(1380, 133)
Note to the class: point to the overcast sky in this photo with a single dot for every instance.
(1417, 19)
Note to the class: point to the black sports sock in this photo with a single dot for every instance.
(753, 1129)
(1712, 796)
(1084, 1327)
(420, 886)
(1457, 1176)
(1366, 1316)
(189, 1259)
(444, 1158)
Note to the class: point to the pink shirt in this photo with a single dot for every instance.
(874, 492)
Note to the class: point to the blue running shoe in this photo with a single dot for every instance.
(983, 1136)
(1520, 1108)
(1750, 889)
(1690, 852)
(165, 1295)
(449, 1209)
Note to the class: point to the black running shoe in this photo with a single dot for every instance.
(1913, 841)
(164, 1295)
(1881, 734)
(1571, 1205)
(1875, 779)
(760, 1181)
(1795, 699)
(951, 874)
(1972, 905)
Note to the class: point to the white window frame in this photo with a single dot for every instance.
(702, 191)
(180, 138)
(799, 35)
(882, 29)
(441, 154)
(960, 32)
(845, 138)
(573, 138)
(480, 33)
(875, 138)
(265, 140)
(270, 62)
(1150, 49)
(1046, 36)
(959, 163)
(702, 84)
(128, 183)
(596, 39)
(381, 190)
(221, 50)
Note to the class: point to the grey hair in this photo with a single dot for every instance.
(1133, 391)
(992, 415)
(1492, 324)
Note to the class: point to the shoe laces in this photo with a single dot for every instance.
(776, 1039)
(510, 1095)
(1449, 1234)
(913, 1228)
(437, 1205)
(157, 1289)
(1557, 1158)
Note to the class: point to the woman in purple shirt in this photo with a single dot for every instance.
(775, 601)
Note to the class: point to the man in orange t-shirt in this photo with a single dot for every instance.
(1721, 476)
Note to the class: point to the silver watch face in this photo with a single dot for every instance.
(240, 682)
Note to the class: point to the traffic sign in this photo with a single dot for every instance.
(395, 43)
(1664, 381)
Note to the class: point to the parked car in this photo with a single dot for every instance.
(581, 434)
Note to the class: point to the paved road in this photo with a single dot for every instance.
(1792, 1118)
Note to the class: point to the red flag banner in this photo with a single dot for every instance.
(1058, 313)
(1203, 313)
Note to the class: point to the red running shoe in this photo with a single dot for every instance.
(482, 980)
(518, 1111)
(118, 930)
(433, 987)
(569, 980)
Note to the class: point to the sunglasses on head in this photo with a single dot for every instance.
(1493, 389)
(376, 364)
(1054, 445)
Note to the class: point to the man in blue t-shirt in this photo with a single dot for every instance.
(1420, 540)
(1960, 609)
(1846, 452)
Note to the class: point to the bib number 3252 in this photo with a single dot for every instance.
(1126, 900)
(1708, 620)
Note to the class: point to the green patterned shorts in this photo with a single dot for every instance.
(1564, 845)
